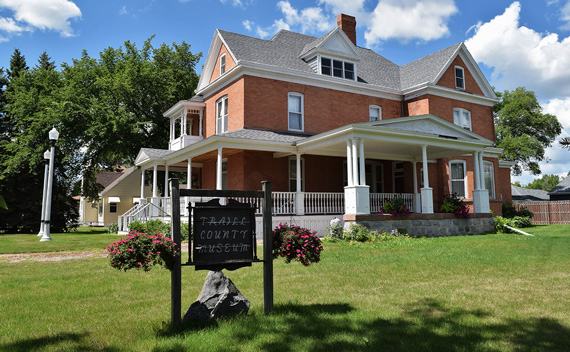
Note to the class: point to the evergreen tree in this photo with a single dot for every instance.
(17, 64)
(45, 63)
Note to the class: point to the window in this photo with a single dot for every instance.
(462, 117)
(295, 109)
(457, 177)
(222, 64)
(293, 174)
(100, 212)
(459, 78)
(374, 177)
(375, 113)
(222, 115)
(337, 68)
(398, 174)
(489, 177)
(112, 208)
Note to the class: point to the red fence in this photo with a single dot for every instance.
(548, 213)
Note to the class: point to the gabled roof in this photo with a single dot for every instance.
(151, 154)
(287, 51)
(427, 68)
(122, 175)
(562, 188)
(528, 195)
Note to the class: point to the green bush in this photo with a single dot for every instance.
(154, 226)
(142, 251)
(357, 232)
(510, 211)
(517, 221)
(453, 204)
(113, 228)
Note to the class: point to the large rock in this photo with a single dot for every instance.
(219, 298)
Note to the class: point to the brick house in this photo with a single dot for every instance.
(336, 127)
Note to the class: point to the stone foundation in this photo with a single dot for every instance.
(426, 225)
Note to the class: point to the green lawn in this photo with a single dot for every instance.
(470, 293)
(84, 239)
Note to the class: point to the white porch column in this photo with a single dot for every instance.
(201, 118)
(300, 195)
(362, 167)
(172, 123)
(354, 163)
(427, 192)
(184, 123)
(219, 170)
(189, 174)
(166, 180)
(417, 198)
(476, 171)
(356, 196)
(155, 181)
(142, 183)
(480, 194)
(349, 179)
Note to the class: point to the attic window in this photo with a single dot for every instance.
(337, 68)
(459, 78)
(222, 64)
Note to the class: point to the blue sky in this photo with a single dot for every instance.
(517, 43)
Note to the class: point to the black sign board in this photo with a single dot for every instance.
(223, 235)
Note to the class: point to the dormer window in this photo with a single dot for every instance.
(459, 78)
(222, 64)
(337, 68)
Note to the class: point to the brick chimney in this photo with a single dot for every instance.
(348, 25)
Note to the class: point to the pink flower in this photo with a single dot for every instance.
(140, 263)
(129, 250)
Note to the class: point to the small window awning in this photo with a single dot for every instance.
(114, 199)
(136, 200)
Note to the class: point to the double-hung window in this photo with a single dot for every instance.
(457, 175)
(459, 77)
(222, 64)
(462, 117)
(295, 112)
(222, 115)
(375, 113)
(489, 177)
(293, 174)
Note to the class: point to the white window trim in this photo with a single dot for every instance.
(222, 66)
(461, 112)
(491, 191)
(302, 111)
(354, 78)
(225, 121)
(293, 158)
(455, 76)
(458, 161)
(379, 108)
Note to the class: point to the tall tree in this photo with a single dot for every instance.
(45, 62)
(523, 130)
(18, 64)
(545, 183)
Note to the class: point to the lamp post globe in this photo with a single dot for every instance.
(53, 137)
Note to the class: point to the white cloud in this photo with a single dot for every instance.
(409, 19)
(565, 16)
(561, 109)
(520, 56)
(3, 39)
(236, 3)
(9, 25)
(310, 19)
(248, 24)
(44, 14)
(123, 10)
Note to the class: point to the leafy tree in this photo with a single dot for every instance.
(523, 130)
(545, 183)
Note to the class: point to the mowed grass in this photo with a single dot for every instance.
(84, 239)
(470, 293)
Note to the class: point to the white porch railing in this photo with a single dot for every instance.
(377, 200)
(324, 203)
(284, 203)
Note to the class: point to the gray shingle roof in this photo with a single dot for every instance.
(562, 187)
(427, 68)
(264, 135)
(156, 153)
(527, 195)
(285, 48)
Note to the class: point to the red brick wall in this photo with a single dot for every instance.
(234, 91)
(448, 78)
(324, 109)
(504, 184)
(230, 63)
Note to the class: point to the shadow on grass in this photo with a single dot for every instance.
(68, 341)
(426, 325)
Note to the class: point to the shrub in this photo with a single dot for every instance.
(453, 204)
(357, 232)
(142, 251)
(113, 228)
(158, 226)
(296, 243)
(510, 211)
(395, 207)
(517, 221)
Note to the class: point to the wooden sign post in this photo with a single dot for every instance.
(224, 238)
